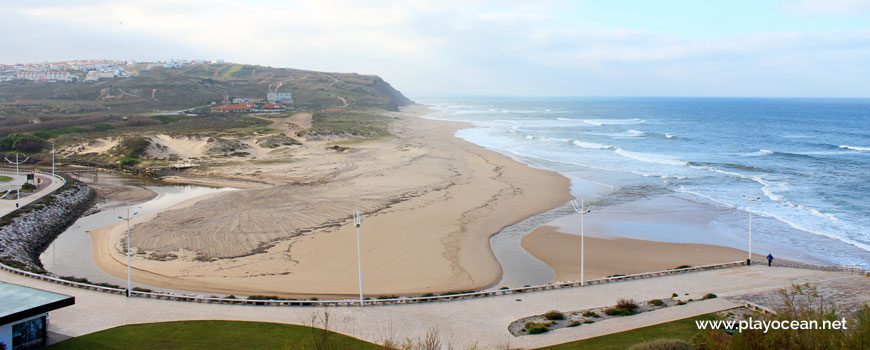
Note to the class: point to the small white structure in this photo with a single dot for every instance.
(279, 97)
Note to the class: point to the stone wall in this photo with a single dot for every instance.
(27, 232)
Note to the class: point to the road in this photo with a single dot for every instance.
(483, 320)
(8, 205)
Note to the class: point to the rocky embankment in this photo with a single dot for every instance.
(27, 232)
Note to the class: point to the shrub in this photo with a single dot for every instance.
(27, 187)
(588, 321)
(128, 161)
(627, 304)
(590, 314)
(674, 295)
(144, 290)
(574, 324)
(663, 344)
(536, 327)
(682, 267)
(681, 303)
(554, 315)
(615, 311)
(656, 302)
(709, 296)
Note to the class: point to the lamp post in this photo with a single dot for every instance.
(750, 199)
(357, 221)
(582, 210)
(17, 162)
(127, 218)
(53, 152)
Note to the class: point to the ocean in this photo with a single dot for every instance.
(806, 160)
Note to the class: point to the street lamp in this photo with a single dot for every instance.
(750, 199)
(357, 221)
(17, 162)
(53, 152)
(582, 210)
(127, 218)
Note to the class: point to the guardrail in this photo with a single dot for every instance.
(851, 269)
(355, 302)
(62, 281)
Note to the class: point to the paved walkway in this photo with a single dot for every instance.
(48, 185)
(483, 320)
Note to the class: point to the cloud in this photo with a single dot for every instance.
(829, 7)
(451, 47)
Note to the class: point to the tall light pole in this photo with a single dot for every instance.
(750, 199)
(357, 221)
(17, 162)
(53, 152)
(127, 218)
(582, 210)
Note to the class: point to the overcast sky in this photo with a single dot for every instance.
(468, 47)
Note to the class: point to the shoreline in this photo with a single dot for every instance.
(488, 191)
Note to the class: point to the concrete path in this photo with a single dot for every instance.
(48, 185)
(484, 320)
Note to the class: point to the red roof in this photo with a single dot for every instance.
(235, 107)
(273, 106)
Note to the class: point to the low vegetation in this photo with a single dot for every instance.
(537, 327)
(554, 315)
(801, 303)
(347, 123)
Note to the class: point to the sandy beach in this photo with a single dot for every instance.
(612, 256)
(430, 202)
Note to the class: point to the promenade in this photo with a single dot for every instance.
(47, 186)
(481, 320)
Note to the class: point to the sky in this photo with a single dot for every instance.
(789, 48)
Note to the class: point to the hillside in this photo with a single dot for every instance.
(167, 89)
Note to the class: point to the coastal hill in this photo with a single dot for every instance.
(158, 88)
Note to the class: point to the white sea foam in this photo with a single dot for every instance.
(602, 122)
(649, 157)
(766, 189)
(669, 136)
(856, 148)
(590, 145)
(761, 152)
(634, 132)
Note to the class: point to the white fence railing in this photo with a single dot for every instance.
(355, 302)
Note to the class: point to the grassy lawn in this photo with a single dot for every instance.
(208, 335)
(680, 329)
(5, 178)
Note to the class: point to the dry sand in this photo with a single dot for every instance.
(611, 256)
(430, 202)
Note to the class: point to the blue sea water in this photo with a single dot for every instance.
(807, 159)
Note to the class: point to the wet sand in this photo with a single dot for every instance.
(612, 256)
(430, 200)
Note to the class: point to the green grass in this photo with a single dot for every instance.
(207, 335)
(5, 178)
(681, 329)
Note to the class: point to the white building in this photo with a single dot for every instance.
(279, 97)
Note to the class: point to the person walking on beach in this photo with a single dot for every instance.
(769, 259)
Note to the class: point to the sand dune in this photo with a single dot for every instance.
(162, 146)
